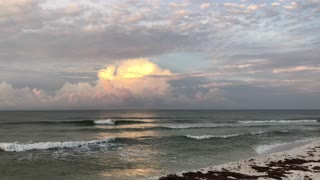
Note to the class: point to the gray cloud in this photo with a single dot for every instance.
(262, 54)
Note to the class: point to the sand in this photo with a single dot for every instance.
(300, 163)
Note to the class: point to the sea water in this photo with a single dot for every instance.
(139, 144)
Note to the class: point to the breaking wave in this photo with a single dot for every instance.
(212, 136)
(193, 126)
(280, 121)
(276, 147)
(83, 122)
(106, 121)
(235, 135)
(211, 125)
(117, 122)
(18, 147)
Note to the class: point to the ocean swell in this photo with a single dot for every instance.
(275, 147)
(18, 147)
(280, 121)
(80, 122)
(212, 136)
(105, 121)
(235, 135)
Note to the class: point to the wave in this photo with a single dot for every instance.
(212, 136)
(18, 147)
(280, 121)
(235, 135)
(118, 122)
(80, 122)
(161, 128)
(211, 125)
(107, 121)
(83, 122)
(276, 147)
(193, 126)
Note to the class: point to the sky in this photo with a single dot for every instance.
(159, 54)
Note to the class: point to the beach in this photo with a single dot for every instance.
(299, 163)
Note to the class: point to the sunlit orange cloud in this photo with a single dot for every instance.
(134, 68)
(121, 83)
(135, 75)
(117, 83)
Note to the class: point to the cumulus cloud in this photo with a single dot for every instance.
(138, 76)
(126, 80)
(11, 97)
(129, 83)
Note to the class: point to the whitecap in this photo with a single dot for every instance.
(259, 132)
(280, 146)
(234, 135)
(191, 126)
(105, 121)
(213, 136)
(280, 121)
(18, 147)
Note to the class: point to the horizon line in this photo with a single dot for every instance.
(181, 109)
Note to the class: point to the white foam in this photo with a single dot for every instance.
(189, 126)
(213, 136)
(18, 147)
(239, 124)
(259, 132)
(233, 135)
(105, 121)
(280, 121)
(277, 147)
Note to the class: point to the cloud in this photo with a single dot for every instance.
(178, 5)
(214, 93)
(133, 83)
(60, 46)
(275, 4)
(117, 84)
(140, 83)
(135, 17)
(11, 97)
(253, 7)
(120, 83)
(233, 5)
(137, 76)
(132, 29)
(92, 28)
(205, 6)
(73, 9)
(15, 7)
(296, 69)
(292, 6)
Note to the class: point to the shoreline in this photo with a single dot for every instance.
(302, 161)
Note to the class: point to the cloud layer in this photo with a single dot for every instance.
(159, 54)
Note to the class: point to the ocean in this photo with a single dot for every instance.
(141, 144)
